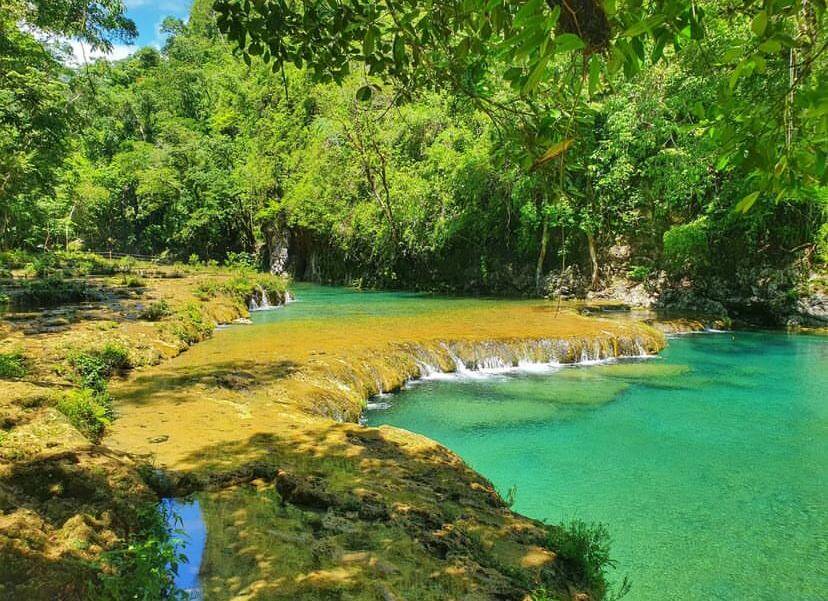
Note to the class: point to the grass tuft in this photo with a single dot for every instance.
(156, 311)
(12, 365)
(89, 410)
(93, 367)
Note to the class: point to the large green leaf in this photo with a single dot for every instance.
(553, 151)
(759, 23)
(747, 202)
(567, 42)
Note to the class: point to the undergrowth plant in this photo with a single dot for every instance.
(89, 410)
(191, 324)
(55, 289)
(94, 367)
(133, 281)
(242, 286)
(582, 551)
(156, 310)
(12, 365)
(89, 407)
(145, 565)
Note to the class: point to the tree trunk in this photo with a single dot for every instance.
(277, 243)
(593, 257)
(542, 253)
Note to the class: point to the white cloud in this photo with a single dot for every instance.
(81, 52)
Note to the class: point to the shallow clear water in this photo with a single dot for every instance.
(189, 529)
(709, 465)
(315, 302)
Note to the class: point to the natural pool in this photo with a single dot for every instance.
(709, 465)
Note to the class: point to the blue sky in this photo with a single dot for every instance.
(148, 15)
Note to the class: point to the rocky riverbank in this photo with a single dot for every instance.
(69, 506)
(765, 298)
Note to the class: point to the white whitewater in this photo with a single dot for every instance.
(262, 303)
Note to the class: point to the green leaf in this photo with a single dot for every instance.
(770, 46)
(535, 76)
(645, 25)
(760, 23)
(658, 49)
(526, 13)
(567, 42)
(513, 73)
(594, 74)
(732, 53)
(368, 42)
(553, 151)
(747, 202)
(399, 51)
(759, 63)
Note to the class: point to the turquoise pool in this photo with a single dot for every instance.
(709, 464)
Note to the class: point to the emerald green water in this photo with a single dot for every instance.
(315, 302)
(709, 465)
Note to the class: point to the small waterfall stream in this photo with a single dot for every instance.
(260, 302)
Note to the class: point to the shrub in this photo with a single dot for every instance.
(126, 264)
(89, 410)
(44, 265)
(243, 285)
(191, 325)
(94, 367)
(686, 247)
(12, 365)
(81, 263)
(14, 259)
(131, 281)
(156, 310)
(275, 286)
(4, 298)
(240, 259)
(583, 552)
(143, 567)
(207, 289)
(639, 273)
(822, 243)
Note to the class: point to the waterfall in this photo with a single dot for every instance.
(459, 366)
(259, 301)
(355, 381)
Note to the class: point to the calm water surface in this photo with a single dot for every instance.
(314, 302)
(709, 464)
